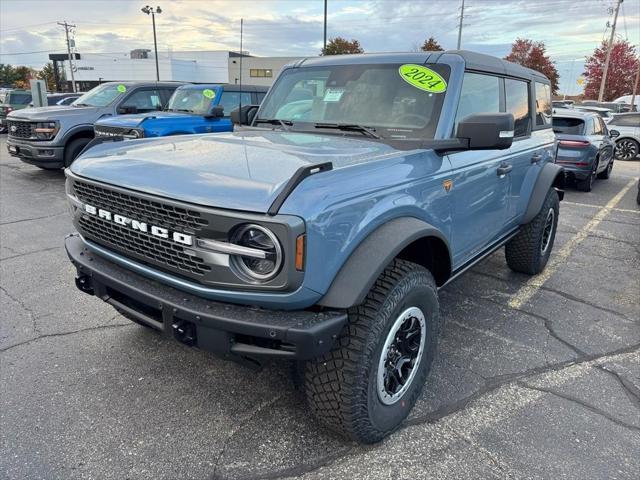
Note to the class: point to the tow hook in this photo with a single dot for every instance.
(83, 282)
(185, 332)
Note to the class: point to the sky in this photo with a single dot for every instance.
(571, 29)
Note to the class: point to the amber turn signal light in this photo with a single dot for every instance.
(300, 245)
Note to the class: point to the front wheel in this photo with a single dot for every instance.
(529, 251)
(367, 385)
(73, 149)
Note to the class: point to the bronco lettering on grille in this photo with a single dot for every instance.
(156, 231)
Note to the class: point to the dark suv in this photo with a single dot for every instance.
(52, 137)
(321, 231)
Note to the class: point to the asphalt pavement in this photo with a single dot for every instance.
(534, 378)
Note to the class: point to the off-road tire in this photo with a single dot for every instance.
(586, 184)
(341, 386)
(606, 173)
(524, 252)
(73, 149)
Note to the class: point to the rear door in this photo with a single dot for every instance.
(604, 143)
(479, 193)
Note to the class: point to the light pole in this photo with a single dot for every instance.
(149, 10)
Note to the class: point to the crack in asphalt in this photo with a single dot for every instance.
(635, 245)
(18, 255)
(582, 301)
(33, 218)
(500, 465)
(30, 313)
(632, 392)
(64, 334)
(582, 403)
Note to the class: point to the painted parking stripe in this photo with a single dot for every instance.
(530, 288)
(589, 205)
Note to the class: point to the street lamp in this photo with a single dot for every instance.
(149, 10)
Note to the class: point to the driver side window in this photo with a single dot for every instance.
(144, 101)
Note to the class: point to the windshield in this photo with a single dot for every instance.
(192, 100)
(396, 101)
(101, 96)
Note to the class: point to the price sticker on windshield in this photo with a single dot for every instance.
(333, 94)
(208, 93)
(423, 78)
(121, 88)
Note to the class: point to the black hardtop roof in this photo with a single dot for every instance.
(473, 61)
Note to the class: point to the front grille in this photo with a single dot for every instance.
(154, 212)
(107, 131)
(139, 244)
(132, 242)
(20, 129)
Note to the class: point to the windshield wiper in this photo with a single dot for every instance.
(285, 124)
(350, 127)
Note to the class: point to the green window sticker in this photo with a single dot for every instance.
(423, 78)
(121, 88)
(207, 92)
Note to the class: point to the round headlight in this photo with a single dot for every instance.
(135, 133)
(257, 238)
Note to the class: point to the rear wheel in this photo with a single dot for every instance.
(366, 386)
(606, 173)
(586, 184)
(73, 149)
(529, 251)
(627, 149)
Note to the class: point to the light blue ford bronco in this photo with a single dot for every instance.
(321, 229)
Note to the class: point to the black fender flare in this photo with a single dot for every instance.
(365, 264)
(83, 128)
(552, 175)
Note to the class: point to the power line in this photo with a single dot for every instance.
(24, 27)
(34, 52)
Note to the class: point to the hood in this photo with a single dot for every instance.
(134, 120)
(54, 112)
(243, 170)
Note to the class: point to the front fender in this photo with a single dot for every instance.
(358, 274)
(551, 175)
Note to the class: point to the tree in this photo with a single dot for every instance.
(532, 55)
(623, 65)
(431, 45)
(342, 46)
(47, 75)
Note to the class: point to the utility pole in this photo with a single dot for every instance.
(635, 89)
(460, 25)
(324, 44)
(150, 10)
(603, 81)
(66, 30)
(241, 55)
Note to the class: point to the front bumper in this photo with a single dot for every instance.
(231, 331)
(42, 155)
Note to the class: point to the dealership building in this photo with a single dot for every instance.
(214, 66)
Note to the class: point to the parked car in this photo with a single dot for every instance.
(628, 143)
(560, 104)
(592, 103)
(585, 146)
(321, 231)
(191, 109)
(604, 113)
(52, 137)
(626, 99)
(615, 107)
(15, 99)
(60, 99)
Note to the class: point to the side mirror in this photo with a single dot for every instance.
(215, 112)
(614, 133)
(487, 131)
(244, 115)
(127, 109)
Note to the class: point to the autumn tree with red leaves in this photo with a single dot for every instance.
(623, 66)
(532, 55)
(342, 46)
(431, 45)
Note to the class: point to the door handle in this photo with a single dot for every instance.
(504, 169)
(536, 157)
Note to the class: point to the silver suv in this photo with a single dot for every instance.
(52, 137)
(628, 143)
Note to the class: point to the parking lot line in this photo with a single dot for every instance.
(529, 289)
(589, 205)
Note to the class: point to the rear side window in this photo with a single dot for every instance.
(19, 98)
(231, 100)
(480, 94)
(144, 100)
(517, 102)
(569, 126)
(599, 126)
(543, 104)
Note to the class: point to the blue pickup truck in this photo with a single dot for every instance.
(191, 109)
(321, 230)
